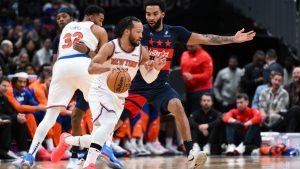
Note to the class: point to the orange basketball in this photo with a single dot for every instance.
(118, 81)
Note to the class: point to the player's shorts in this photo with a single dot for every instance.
(69, 74)
(159, 99)
(81, 103)
(102, 101)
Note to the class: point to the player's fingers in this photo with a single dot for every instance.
(242, 30)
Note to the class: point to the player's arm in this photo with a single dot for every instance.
(209, 39)
(150, 68)
(96, 66)
(100, 34)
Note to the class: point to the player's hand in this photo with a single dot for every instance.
(159, 62)
(188, 75)
(41, 108)
(149, 65)
(119, 68)
(242, 36)
(21, 118)
(80, 47)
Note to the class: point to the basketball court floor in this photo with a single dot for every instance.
(215, 162)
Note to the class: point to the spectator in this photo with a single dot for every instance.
(273, 104)
(197, 69)
(293, 114)
(227, 83)
(293, 89)
(271, 65)
(253, 75)
(17, 129)
(6, 49)
(30, 48)
(43, 55)
(206, 126)
(242, 127)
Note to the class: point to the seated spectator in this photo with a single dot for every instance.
(24, 102)
(12, 125)
(273, 104)
(259, 90)
(242, 127)
(206, 126)
(293, 114)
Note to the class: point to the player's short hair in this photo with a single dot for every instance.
(242, 96)
(67, 10)
(160, 3)
(125, 23)
(93, 9)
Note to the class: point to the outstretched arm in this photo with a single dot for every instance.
(209, 39)
(150, 68)
(96, 66)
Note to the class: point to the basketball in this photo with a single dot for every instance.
(118, 81)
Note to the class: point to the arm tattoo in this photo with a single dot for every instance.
(218, 39)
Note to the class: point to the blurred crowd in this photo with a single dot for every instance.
(230, 109)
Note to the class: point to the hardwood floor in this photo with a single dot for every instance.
(179, 162)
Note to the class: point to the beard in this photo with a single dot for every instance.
(156, 25)
(133, 42)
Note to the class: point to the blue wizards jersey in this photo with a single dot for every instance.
(159, 43)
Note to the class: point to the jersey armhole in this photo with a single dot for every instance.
(141, 51)
(113, 51)
(91, 27)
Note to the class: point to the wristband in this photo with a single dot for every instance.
(88, 51)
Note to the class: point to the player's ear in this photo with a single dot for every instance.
(163, 14)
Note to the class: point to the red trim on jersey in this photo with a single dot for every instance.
(56, 106)
(124, 49)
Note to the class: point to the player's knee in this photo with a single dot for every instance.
(175, 107)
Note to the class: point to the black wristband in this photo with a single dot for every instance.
(88, 51)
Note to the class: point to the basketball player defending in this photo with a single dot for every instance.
(70, 72)
(106, 106)
(160, 40)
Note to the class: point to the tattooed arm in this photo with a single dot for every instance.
(208, 39)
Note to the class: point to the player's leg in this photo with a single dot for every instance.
(56, 103)
(106, 110)
(168, 100)
(76, 117)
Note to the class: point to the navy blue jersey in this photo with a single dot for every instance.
(159, 43)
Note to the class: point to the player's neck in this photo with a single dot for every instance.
(160, 28)
(126, 45)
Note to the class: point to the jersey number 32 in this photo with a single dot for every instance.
(68, 39)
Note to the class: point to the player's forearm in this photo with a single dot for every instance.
(148, 76)
(96, 68)
(209, 39)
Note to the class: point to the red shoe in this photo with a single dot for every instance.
(59, 151)
(43, 155)
(90, 166)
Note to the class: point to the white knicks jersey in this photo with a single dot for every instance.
(74, 32)
(120, 57)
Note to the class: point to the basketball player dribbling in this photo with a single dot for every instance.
(70, 72)
(160, 40)
(125, 52)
